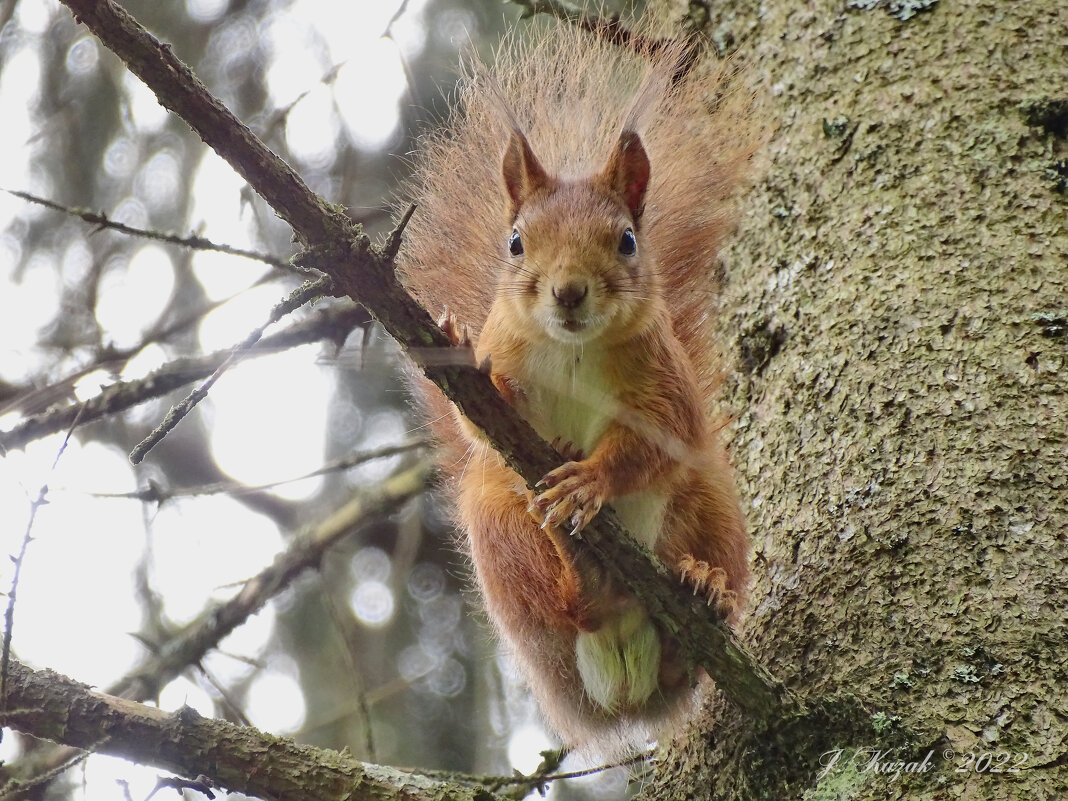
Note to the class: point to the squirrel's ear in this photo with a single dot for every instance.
(627, 172)
(523, 173)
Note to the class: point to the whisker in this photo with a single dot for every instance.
(428, 423)
(466, 455)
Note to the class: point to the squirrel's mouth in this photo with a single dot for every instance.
(568, 329)
(572, 328)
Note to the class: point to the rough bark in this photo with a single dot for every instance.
(898, 300)
(237, 757)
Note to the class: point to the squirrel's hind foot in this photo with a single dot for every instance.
(709, 581)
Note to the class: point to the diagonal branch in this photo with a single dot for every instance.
(306, 292)
(335, 247)
(190, 645)
(306, 552)
(332, 323)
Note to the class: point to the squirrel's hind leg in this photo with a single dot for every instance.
(527, 573)
(704, 540)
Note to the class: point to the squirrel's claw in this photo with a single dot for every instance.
(457, 334)
(574, 494)
(710, 582)
(568, 450)
(533, 510)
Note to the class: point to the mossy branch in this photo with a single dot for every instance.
(239, 758)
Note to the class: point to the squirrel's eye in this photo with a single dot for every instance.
(515, 244)
(627, 244)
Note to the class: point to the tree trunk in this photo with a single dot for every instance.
(899, 301)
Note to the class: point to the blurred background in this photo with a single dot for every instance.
(381, 649)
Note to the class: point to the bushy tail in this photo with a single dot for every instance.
(571, 93)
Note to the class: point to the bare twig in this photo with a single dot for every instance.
(334, 323)
(22, 789)
(189, 646)
(157, 494)
(393, 242)
(192, 241)
(347, 629)
(280, 115)
(201, 784)
(306, 552)
(296, 299)
(537, 780)
(35, 400)
(27, 538)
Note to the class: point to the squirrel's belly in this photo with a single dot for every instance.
(642, 514)
(571, 401)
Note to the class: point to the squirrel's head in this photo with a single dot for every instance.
(576, 267)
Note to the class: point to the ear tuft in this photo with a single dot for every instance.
(627, 172)
(522, 172)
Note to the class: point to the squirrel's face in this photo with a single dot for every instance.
(577, 266)
(576, 269)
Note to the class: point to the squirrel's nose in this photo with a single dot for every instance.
(570, 295)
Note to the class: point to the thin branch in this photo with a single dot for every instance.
(27, 538)
(304, 293)
(281, 115)
(352, 644)
(225, 696)
(157, 494)
(189, 646)
(537, 780)
(334, 323)
(393, 242)
(306, 552)
(235, 757)
(17, 788)
(192, 241)
(110, 357)
(334, 247)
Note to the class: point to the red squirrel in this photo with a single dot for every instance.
(569, 217)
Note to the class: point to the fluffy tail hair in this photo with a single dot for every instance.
(571, 93)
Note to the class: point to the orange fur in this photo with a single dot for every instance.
(603, 350)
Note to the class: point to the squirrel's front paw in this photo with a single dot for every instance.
(574, 493)
(710, 582)
(456, 333)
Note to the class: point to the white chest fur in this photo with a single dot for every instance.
(568, 396)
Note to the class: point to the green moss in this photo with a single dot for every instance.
(838, 785)
(902, 680)
(882, 722)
